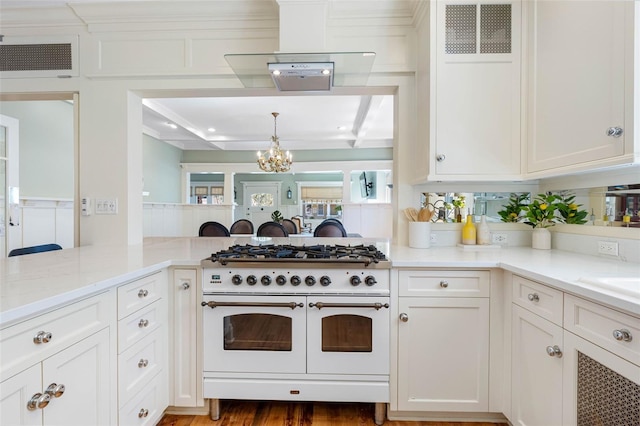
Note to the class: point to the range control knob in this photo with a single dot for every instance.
(295, 280)
(325, 280)
(310, 280)
(355, 280)
(252, 280)
(236, 279)
(370, 280)
(281, 280)
(265, 280)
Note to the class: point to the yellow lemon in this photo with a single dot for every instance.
(573, 206)
(543, 206)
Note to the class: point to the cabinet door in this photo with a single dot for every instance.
(578, 51)
(443, 354)
(186, 374)
(86, 371)
(536, 376)
(15, 392)
(476, 109)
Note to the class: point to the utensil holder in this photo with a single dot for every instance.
(420, 234)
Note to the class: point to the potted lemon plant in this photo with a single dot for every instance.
(540, 213)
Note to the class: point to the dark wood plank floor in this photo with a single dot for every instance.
(275, 413)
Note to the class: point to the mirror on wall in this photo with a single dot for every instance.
(614, 205)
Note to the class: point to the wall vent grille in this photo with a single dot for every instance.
(36, 57)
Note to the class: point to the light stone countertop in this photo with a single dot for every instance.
(40, 282)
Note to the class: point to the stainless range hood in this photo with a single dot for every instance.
(302, 71)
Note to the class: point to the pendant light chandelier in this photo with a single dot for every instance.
(275, 160)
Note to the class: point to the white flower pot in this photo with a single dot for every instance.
(541, 239)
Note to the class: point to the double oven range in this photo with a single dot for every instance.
(300, 323)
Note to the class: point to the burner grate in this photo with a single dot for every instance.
(318, 252)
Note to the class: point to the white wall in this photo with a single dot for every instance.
(120, 64)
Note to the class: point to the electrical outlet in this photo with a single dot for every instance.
(433, 238)
(608, 247)
(499, 238)
(103, 206)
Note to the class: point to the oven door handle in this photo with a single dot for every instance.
(213, 304)
(377, 306)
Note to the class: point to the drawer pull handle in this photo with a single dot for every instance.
(622, 335)
(143, 293)
(554, 351)
(185, 286)
(143, 363)
(533, 297)
(143, 413)
(55, 391)
(615, 132)
(38, 400)
(444, 284)
(404, 317)
(143, 323)
(42, 337)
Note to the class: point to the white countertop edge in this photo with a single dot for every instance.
(42, 306)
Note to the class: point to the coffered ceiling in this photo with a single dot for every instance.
(246, 123)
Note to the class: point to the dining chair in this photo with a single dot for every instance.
(290, 226)
(34, 249)
(272, 229)
(330, 228)
(213, 229)
(241, 226)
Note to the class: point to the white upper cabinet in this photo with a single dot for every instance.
(475, 90)
(580, 85)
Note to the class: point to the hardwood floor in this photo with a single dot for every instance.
(276, 413)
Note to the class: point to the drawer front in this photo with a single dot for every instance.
(598, 324)
(445, 283)
(147, 406)
(61, 327)
(538, 298)
(140, 324)
(139, 364)
(140, 293)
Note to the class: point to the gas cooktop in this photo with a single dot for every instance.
(318, 253)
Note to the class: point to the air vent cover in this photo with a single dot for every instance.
(38, 56)
(35, 57)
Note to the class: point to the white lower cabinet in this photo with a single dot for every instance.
(536, 376)
(186, 365)
(443, 341)
(73, 381)
(142, 350)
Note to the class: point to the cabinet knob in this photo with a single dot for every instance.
(38, 400)
(554, 351)
(622, 335)
(615, 132)
(440, 158)
(42, 337)
(185, 286)
(143, 413)
(54, 390)
(533, 297)
(143, 293)
(143, 363)
(143, 323)
(404, 317)
(444, 284)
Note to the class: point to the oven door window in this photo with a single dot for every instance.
(347, 333)
(257, 332)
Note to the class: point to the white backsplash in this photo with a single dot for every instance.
(448, 235)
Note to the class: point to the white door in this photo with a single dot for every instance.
(260, 201)
(10, 236)
(536, 379)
